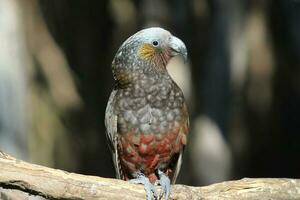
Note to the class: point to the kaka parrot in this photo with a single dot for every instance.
(146, 116)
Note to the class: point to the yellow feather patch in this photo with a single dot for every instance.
(147, 51)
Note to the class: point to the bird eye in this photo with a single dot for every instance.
(155, 43)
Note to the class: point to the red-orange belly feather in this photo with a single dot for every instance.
(145, 152)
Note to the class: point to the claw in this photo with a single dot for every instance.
(140, 178)
(165, 184)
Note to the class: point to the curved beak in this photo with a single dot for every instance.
(178, 47)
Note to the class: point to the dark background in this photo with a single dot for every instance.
(242, 82)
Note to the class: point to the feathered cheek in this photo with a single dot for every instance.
(158, 56)
(147, 52)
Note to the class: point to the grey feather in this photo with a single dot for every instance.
(111, 132)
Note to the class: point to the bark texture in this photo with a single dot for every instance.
(17, 175)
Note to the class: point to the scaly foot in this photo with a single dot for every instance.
(165, 184)
(140, 178)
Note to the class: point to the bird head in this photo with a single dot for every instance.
(158, 46)
(149, 49)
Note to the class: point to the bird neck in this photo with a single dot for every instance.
(154, 84)
(153, 91)
(141, 76)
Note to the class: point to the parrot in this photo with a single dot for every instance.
(146, 117)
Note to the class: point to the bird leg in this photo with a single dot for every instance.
(140, 178)
(165, 184)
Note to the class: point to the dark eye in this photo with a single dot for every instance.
(155, 43)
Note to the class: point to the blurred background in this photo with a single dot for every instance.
(242, 82)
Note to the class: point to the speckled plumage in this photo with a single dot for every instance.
(146, 116)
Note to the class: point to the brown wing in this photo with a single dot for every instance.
(183, 133)
(111, 132)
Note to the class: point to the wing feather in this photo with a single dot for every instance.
(111, 120)
(185, 130)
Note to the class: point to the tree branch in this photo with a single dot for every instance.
(57, 184)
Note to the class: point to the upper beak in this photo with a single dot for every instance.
(178, 47)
